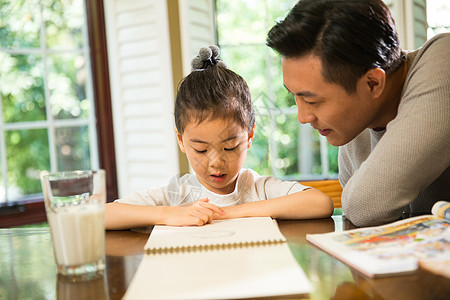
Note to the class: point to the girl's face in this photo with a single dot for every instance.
(216, 150)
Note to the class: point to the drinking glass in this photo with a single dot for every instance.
(75, 206)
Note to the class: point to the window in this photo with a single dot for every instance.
(438, 12)
(283, 147)
(294, 150)
(49, 119)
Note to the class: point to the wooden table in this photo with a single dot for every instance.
(28, 271)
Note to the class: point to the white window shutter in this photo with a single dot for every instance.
(411, 21)
(197, 28)
(420, 24)
(142, 93)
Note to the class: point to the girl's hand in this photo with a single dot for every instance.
(198, 213)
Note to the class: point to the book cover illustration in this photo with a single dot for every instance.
(424, 238)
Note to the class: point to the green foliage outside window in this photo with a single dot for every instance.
(242, 29)
(43, 75)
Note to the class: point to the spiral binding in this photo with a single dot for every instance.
(212, 247)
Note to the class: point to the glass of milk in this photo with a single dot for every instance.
(75, 206)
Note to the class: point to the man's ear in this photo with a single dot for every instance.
(251, 135)
(376, 81)
(180, 141)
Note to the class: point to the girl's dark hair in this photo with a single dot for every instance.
(212, 93)
(349, 36)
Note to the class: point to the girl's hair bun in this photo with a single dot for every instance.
(205, 53)
(207, 56)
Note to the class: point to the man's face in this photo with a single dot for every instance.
(336, 114)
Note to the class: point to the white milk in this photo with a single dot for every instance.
(78, 234)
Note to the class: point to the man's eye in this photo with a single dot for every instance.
(199, 151)
(231, 149)
(305, 100)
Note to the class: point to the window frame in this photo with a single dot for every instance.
(31, 210)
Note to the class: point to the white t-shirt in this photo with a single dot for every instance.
(250, 187)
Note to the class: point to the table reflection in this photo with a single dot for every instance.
(28, 269)
(21, 251)
(96, 288)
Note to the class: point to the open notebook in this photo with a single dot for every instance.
(227, 259)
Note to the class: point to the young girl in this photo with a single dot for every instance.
(215, 126)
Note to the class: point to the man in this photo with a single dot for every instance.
(389, 110)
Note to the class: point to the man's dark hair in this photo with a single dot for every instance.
(349, 36)
(212, 93)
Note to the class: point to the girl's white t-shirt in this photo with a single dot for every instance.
(250, 187)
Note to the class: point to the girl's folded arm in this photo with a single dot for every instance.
(307, 204)
(120, 216)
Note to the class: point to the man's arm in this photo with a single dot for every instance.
(413, 152)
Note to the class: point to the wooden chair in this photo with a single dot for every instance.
(331, 187)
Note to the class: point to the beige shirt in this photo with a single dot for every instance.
(405, 169)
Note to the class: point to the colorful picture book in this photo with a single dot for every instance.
(395, 248)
